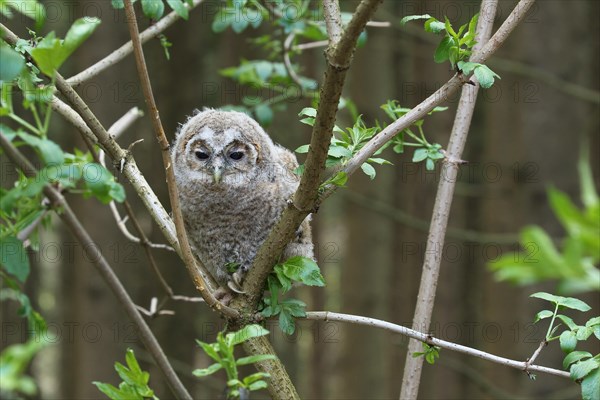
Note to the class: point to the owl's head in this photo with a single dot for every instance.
(221, 148)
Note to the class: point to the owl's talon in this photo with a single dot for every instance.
(233, 286)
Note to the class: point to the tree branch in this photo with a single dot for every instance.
(441, 210)
(333, 21)
(103, 267)
(194, 266)
(426, 338)
(338, 57)
(127, 48)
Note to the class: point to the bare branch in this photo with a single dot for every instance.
(441, 209)
(426, 338)
(103, 267)
(194, 267)
(333, 21)
(127, 48)
(121, 125)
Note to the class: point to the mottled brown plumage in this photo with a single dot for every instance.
(233, 183)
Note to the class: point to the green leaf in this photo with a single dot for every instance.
(449, 28)
(153, 9)
(420, 155)
(582, 368)
(11, 65)
(101, 184)
(369, 170)
(246, 333)
(304, 270)
(13, 258)
(574, 357)
(485, 76)
(409, 18)
(255, 377)
(568, 302)
(179, 8)
(590, 386)
(258, 385)
(210, 350)
(467, 67)
(50, 152)
(294, 307)
(339, 179)
(287, 323)
(568, 341)
(51, 53)
(207, 371)
(302, 149)
(308, 112)
(255, 359)
(442, 52)
(264, 114)
(434, 26)
(118, 4)
(109, 390)
(542, 315)
(567, 321)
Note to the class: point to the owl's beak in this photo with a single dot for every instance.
(217, 175)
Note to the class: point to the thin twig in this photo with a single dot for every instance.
(441, 210)
(103, 267)
(426, 338)
(535, 355)
(287, 62)
(122, 124)
(194, 266)
(127, 48)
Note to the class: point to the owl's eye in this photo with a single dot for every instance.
(236, 155)
(201, 155)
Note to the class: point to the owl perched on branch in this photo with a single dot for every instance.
(233, 184)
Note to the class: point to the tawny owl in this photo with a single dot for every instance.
(233, 183)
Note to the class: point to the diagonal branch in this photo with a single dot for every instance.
(339, 57)
(426, 338)
(127, 48)
(333, 21)
(103, 267)
(194, 267)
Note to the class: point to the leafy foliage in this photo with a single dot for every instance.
(14, 360)
(574, 266)
(584, 367)
(296, 269)
(222, 353)
(429, 352)
(456, 47)
(134, 385)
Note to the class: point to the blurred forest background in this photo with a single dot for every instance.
(370, 237)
